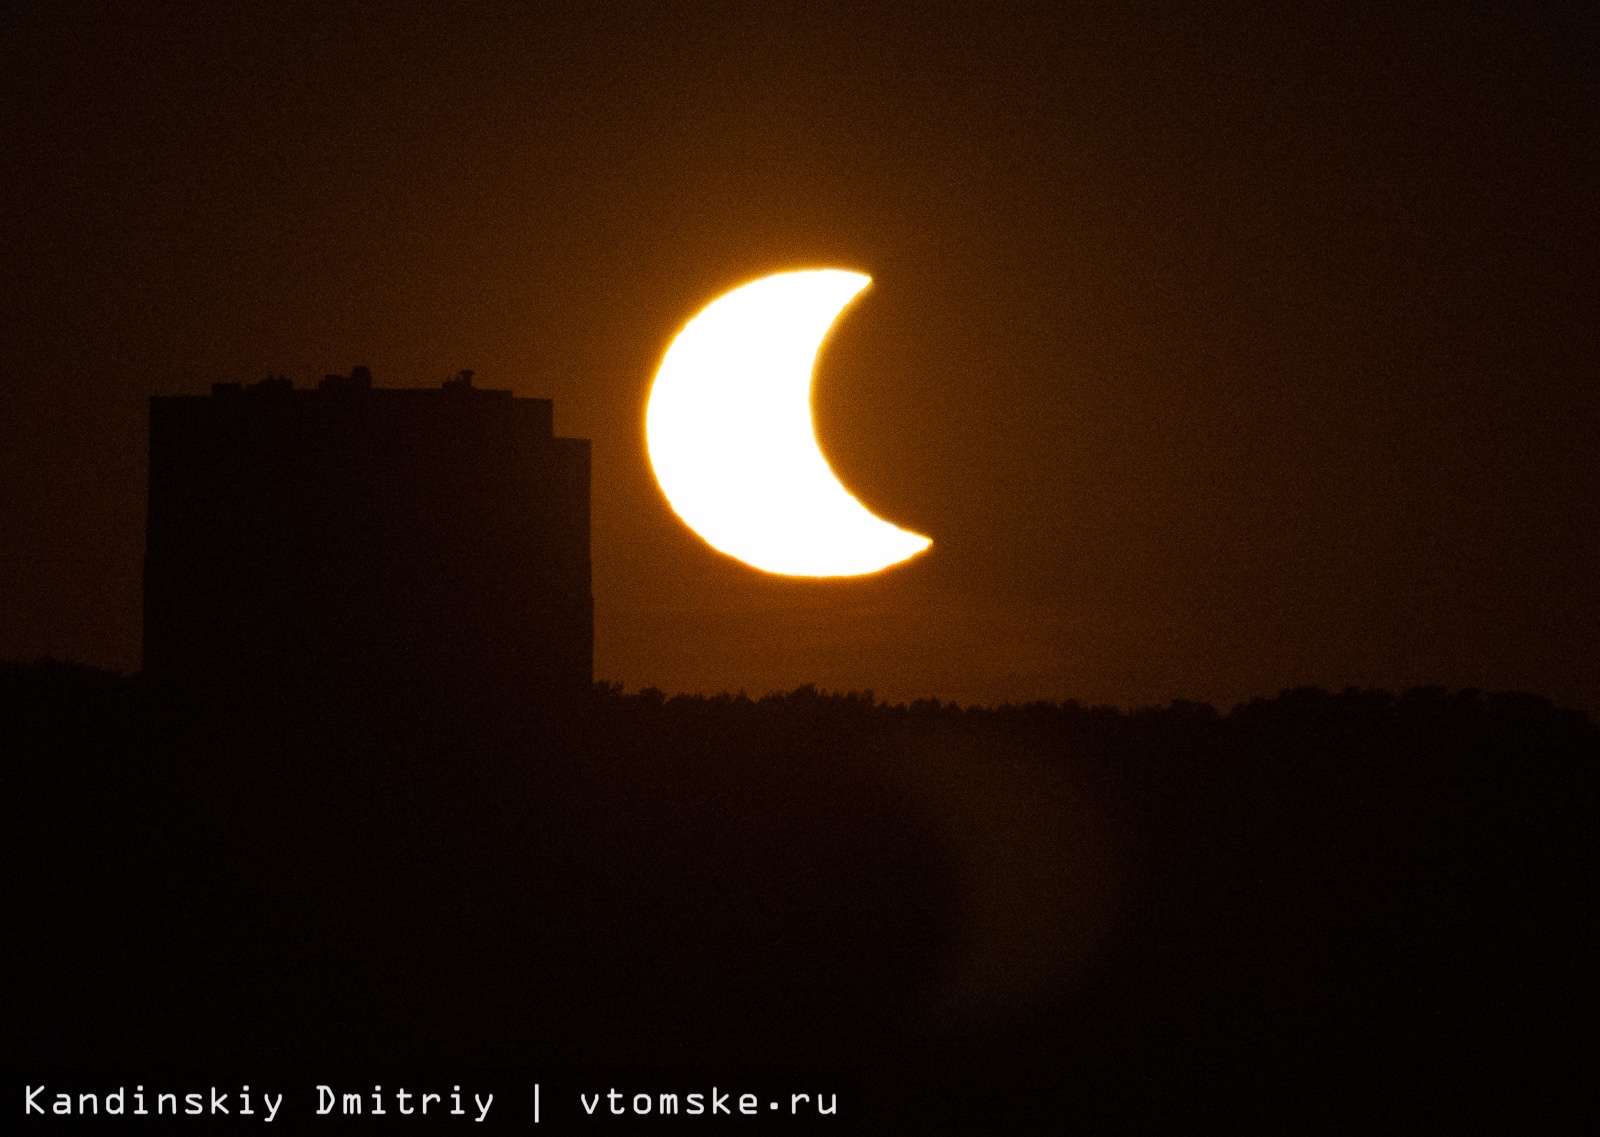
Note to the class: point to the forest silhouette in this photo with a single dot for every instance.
(1330, 905)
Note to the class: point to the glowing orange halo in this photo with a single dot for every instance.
(730, 434)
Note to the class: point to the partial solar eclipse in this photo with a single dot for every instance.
(731, 439)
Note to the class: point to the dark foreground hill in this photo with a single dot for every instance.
(1318, 908)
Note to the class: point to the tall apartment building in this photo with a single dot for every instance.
(364, 542)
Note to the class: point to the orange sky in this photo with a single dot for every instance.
(1216, 355)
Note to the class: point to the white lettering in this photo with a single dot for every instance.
(796, 1099)
(669, 1103)
(588, 1106)
(122, 1102)
(834, 1108)
(325, 1100)
(425, 1098)
(216, 1102)
(28, 1104)
(747, 1103)
(482, 1105)
(697, 1103)
(194, 1101)
(719, 1101)
(272, 1106)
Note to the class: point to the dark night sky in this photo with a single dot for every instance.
(1218, 352)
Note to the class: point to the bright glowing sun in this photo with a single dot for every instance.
(730, 434)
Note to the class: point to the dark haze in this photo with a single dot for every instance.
(1218, 351)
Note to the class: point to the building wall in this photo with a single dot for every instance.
(363, 541)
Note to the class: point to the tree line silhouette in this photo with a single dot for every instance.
(1319, 904)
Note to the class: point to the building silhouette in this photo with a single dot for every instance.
(380, 546)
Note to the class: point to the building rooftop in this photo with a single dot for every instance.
(358, 382)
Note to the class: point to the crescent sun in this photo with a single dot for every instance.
(731, 439)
